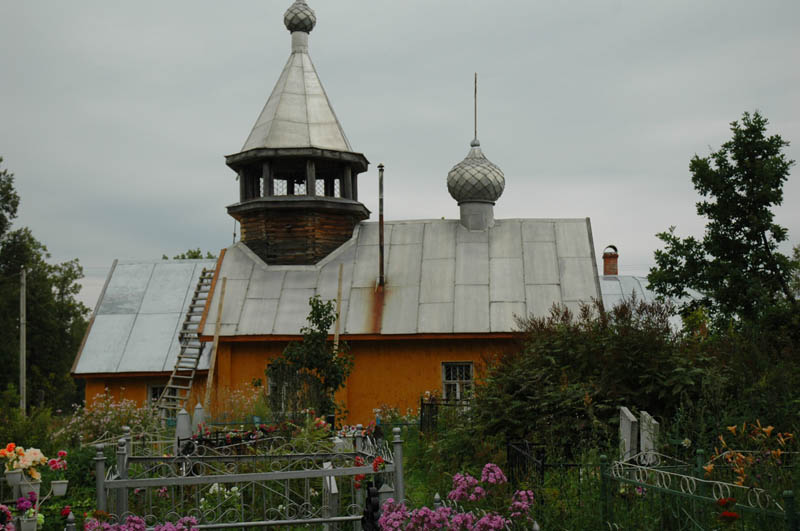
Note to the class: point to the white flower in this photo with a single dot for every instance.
(686, 443)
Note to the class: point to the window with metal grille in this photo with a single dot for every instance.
(457, 381)
(279, 187)
(320, 187)
(154, 392)
(336, 191)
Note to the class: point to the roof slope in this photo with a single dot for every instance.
(137, 320)
(298, 113)
(440, 279)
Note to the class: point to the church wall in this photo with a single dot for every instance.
(386, 372)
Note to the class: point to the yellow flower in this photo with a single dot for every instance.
(708, 468)
(776, 453)
(768, 430)
(34, 473)
(732, 429)
(740, 480)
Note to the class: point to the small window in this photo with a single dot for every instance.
(456, 381)
(154, 392)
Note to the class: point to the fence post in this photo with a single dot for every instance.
(100, 478)
(437, 501)
(126, 434)
(791, 515)
(199, 416)
(183, 430)
(604, 489)
(399, 487)
(122, 473)
(70, 522)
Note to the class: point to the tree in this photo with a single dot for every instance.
(191, 254)
(56, 321)
(795, 282)
(736, 265)
(309, 372)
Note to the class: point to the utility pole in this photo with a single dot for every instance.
(22, 360)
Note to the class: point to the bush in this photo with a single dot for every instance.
(105, 417)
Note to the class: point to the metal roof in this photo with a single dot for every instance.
(298, 113)
(137, 319)
(440, 278)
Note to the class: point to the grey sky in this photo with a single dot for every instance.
(115, 117)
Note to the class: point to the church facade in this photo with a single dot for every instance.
(423, 302)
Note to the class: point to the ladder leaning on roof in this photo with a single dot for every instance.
(179, 387)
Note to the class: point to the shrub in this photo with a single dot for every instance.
(105, 416)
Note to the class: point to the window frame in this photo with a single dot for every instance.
(463, 387)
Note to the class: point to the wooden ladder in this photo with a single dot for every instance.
(179, 387)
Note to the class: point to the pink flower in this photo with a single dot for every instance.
(493, 475)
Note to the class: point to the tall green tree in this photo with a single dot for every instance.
(56, 320)
(736, 265)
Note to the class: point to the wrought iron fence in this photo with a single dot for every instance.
(278, 482)
(646, 491)
(429, 412)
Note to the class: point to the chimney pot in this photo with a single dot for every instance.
(610, 257)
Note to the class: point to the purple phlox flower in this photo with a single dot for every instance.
(521, 503)
(463, 485)
(135, 523)
(393, 515)
(462, 522)
(427, 519)
(478, 493)
(493, 475)
(490, 522)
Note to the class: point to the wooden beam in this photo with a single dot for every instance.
(212, 364)
(338, 312)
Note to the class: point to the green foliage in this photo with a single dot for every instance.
(191, 254)
(309, 372)
(736, 265)
(31, 430)
(9, 200)
(105, 416)
(563, 388)
(56, 320)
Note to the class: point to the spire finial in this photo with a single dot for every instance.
(476, 106)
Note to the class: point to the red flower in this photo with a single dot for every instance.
(358, 461)
(726, 502)
(66, 510)
(729, 516)
(378, 464)
(62, 453)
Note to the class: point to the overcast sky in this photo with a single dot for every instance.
(115, 116)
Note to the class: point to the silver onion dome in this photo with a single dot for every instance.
(475, 178)
(299, 17)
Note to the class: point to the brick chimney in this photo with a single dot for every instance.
(610, 257)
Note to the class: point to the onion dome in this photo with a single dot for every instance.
(475, 179)
(299, 17)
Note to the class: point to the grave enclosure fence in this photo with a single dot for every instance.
(277, 482)
(645, 491)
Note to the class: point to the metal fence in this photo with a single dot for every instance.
(279, 482)
(646, 491)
